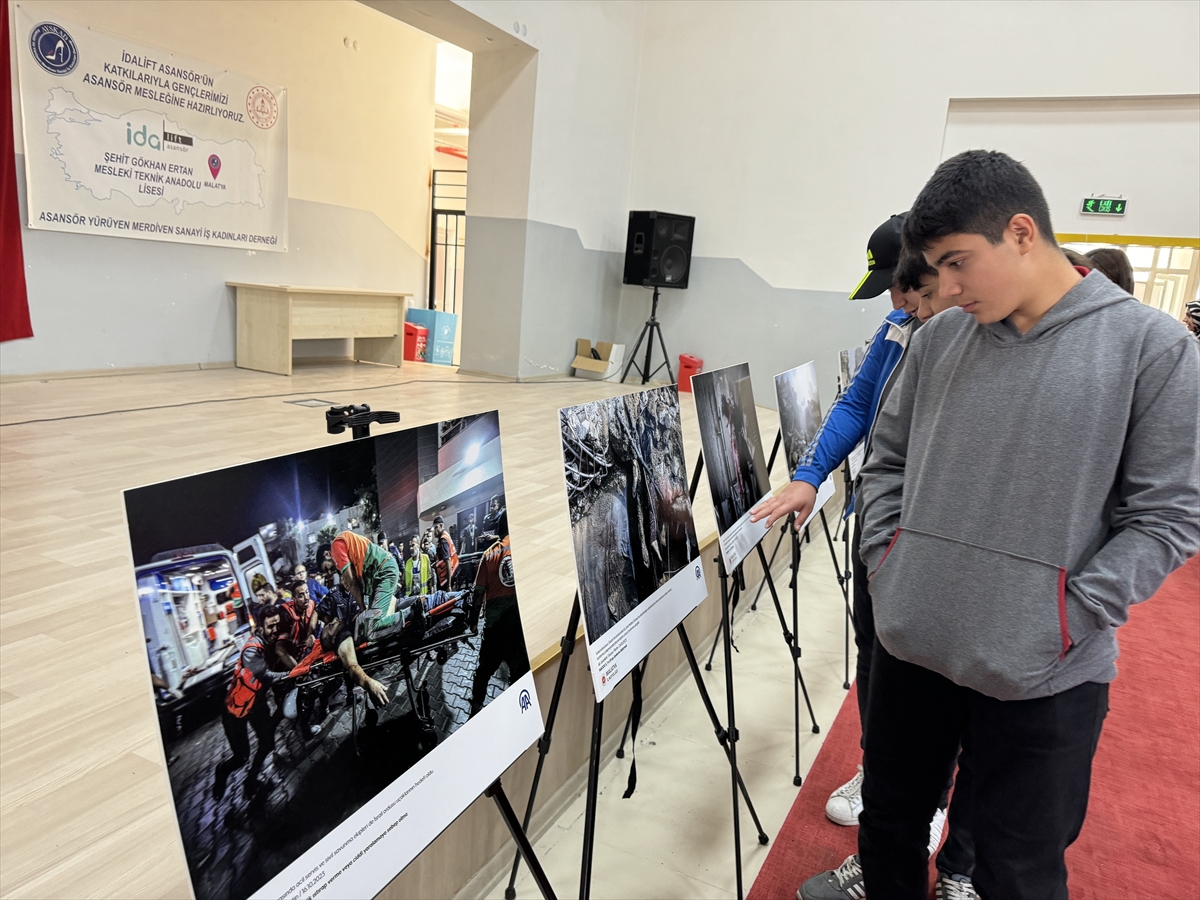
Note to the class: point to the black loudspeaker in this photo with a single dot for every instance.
(658, 249)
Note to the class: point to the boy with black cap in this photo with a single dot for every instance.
(1033, 473)
(849, 422)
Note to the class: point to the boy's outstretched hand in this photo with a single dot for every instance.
(798, 497)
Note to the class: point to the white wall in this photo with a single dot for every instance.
(588, 60)
(360, 139)
(1146, 149)
(791, 130)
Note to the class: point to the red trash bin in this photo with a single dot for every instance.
(416, 339)
(688, 366)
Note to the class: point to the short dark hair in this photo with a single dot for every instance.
(1113, 262)
(976, 192)
(911, 268)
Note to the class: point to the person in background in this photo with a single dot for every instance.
(503, 641)
(418, 571)
(264, 595)
(316, 589)
(397, 553)
(1078, 259)
(326, 570)
(1113, 262)
(246, 705)
(301, 612)
(1191, 317)
(445, 557)
(470, 536)
(1007, 531)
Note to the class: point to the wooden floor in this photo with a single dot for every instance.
(84, 801)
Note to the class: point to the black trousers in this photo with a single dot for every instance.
(503, 642)
(1030, 765)
(957, 856)
(263, 723)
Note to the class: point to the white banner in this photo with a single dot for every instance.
(128, 140)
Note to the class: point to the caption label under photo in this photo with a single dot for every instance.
(618, 650)
(742, 537)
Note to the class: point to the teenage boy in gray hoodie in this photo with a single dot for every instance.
(1033, 473)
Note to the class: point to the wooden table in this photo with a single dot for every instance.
(271, 316)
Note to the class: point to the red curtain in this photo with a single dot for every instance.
(14, 303)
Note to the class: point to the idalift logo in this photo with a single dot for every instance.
(142, 138)
(525, 701)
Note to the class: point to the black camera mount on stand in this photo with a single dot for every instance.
(359, 420)
(650, 331)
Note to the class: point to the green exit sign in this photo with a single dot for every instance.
(1103, 206)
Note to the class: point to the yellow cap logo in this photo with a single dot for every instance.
(870, 259)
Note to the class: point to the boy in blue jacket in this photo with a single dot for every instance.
(913, 287)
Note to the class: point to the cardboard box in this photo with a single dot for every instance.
(602, 369)
(442, 327)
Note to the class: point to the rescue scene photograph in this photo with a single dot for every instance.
(799, 405)
(733, 452)
(314, 625)
(627, 491)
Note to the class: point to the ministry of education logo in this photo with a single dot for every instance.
(53, 48)
(262, 107)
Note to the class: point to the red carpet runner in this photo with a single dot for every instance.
(1142, 834)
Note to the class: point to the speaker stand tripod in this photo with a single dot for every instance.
(650, 331)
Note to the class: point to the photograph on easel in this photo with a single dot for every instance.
(733, 457)
(849, 362)
(319, 648)
(799, 403)
(636, 551)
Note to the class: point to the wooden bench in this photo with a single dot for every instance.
(271, 316)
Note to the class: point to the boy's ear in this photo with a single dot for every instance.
(1024, 232)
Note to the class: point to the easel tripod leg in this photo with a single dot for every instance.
(795, 541)
(524, 847)
(722, 734)
(733, 734)
(589, 816)
(568, 645)
(844, 584)
(789, 638)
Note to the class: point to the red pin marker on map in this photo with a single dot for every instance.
(214, 165)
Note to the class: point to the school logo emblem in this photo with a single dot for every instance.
(262, 107)
(53, 48)
(506, 572)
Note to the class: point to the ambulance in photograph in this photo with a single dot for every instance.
(195, 609)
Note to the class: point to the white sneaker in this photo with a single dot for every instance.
(845, 803)
(936, 828)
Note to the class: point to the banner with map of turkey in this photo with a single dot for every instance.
(131, 141)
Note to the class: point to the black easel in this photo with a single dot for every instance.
(359, 420)
(649, 331)
(727, 738)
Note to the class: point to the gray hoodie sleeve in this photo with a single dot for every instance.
(882, 489)
(1156, 521)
